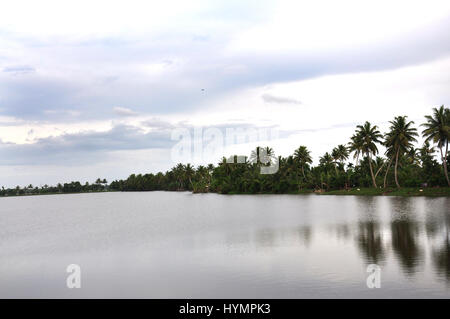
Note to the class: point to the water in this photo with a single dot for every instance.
(182, 245)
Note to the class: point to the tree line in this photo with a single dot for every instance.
(99, 185)
(402, 164)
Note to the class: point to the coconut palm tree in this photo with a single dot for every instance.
(189, 172)
(262, 155)
(339, 154)
(303, 157)
(389, 154)
(413, 156)
(178, 172)
(437, 129)
(210, 170)
(400, 139)
(342, 153)
(380, 162)
(355, 146)
(366, 137)
(335, 157)
(326, 163)
(202, 172)
(326, 160)
(426, 149)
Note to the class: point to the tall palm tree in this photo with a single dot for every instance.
(367, 136)
(303, 157)
(391, 155)
(335, 157)
(437, 129)
(355, 146)
(400, 139)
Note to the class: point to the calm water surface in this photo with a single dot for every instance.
(182, 245)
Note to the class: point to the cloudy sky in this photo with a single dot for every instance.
(96, 88)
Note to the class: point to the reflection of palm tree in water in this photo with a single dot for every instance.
(370, 242)
(441, 255)
(441, 258)
(405, 244)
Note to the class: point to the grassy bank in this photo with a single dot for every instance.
(404, 191)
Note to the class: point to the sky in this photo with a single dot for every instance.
(97, 88)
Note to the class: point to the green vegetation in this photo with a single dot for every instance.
(413, 171)
(100, 185)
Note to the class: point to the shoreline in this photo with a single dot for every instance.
(402, 192)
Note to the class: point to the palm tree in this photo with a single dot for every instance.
(426, 149)
(339, 154)
(366, 137)
(335, 157)
(437, 129)
(355, 146)
(255, 155)
(210, 170)
(390, 154)
(413, 156)
(326, 160)
(303, 157)
(262, 155)
(342, 153)
(178, 172)
(189, 172)
(399, 139)
(201, 172)
(380, 162)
